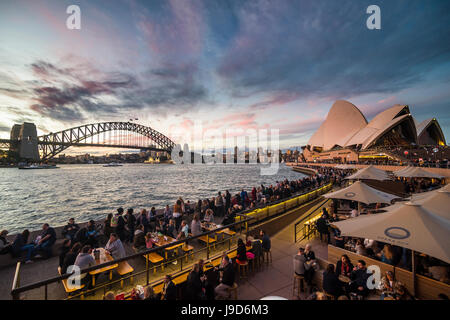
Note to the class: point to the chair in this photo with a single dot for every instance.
(187, 249)
(242, 268)
(123, 269)
(299, 285)
(267, 256)
(154, 258)
(67, 288)
(233, 291)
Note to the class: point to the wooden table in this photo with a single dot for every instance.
(344, 278)
(104, 257)
(162, 242)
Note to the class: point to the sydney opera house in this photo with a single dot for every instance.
(346, 135)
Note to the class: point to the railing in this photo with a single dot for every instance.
(242, 220)
(299, 227)
(17, 290)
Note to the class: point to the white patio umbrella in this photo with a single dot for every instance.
(369, 173)
(417, 172)
(437, 201)
(407, 225)
(401, 171)
(361, 192)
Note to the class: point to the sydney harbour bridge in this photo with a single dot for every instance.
(126, 135)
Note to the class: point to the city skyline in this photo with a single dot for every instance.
(228, 64)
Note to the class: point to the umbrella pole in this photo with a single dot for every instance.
(359, 208)
(413, 264)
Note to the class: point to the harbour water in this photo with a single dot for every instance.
(31, 197)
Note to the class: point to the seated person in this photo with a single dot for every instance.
(46, 241)
(184, 231)
(209, 216)
(161, 226)
(70, 229)
(344, 266)
(92, 234)
(388, 284)
(331, 283)
(300, 262)
(5, 246)
(139, 238)
(149, 241)
(171, 228)
(241, 256)
(84, 260)
(359, 276)
(226, 280)
(115, 247)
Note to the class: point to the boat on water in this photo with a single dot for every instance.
(39, 166)
(112, 164)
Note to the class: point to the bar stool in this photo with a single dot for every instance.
(233, 291)
(242, 268)
(298, 285)
(267, 255)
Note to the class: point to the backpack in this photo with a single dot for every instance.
(114, 221)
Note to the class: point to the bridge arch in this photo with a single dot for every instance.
(54, 143)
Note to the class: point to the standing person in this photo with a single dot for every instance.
(243, 198)
(169, 290)
(115, 247)
(194, 286)
(118, 223)
(227, 279)
(219, 205)
(143, 220)
(227, 201)
(178, 214)
(130, 221)
(266, 244)
(70, 229)
(322, 227)
(108, 229)
(167, 214)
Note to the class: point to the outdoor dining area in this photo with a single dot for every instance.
(408, 236)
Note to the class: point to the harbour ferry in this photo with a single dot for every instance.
(38, 166)
(113, 164)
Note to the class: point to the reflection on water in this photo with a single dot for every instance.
(30, 197)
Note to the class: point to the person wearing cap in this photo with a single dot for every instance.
(5, 246)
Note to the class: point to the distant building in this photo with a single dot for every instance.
(345, 133)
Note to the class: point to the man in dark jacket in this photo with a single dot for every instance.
(359, 278)
(322, 227)
(227, 280)
(265, 240)
(120, 228)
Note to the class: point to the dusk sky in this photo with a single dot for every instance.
(229, 64)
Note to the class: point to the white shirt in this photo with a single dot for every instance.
(355, 213)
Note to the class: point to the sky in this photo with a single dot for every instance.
(226, 65)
